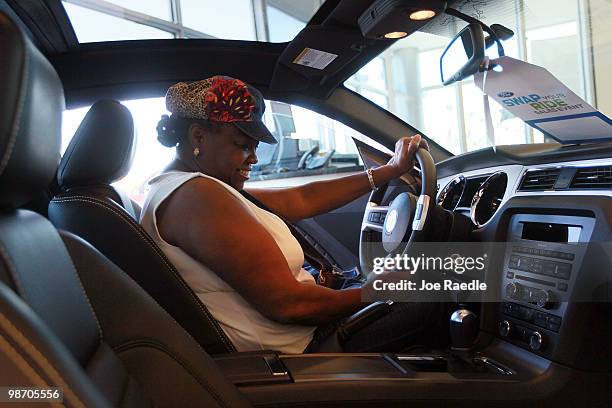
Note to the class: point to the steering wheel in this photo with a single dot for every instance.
(403, 220)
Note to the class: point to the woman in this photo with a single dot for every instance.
(241, 260)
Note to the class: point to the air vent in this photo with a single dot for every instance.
(593, 178)
(535, 180)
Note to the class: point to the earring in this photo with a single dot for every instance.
(196, 152)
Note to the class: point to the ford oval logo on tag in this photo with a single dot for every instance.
(505, 94)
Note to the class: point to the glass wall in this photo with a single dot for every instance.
(571, 38)
(260, 20)
(309, 145)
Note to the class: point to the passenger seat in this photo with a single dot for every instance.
(99, 154)
(69, 317)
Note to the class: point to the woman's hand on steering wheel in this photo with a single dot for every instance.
(401, 222)
(405, 151)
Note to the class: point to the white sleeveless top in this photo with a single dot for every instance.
(246, 327)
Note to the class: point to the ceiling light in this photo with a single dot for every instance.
(422, 15)
(396, 34)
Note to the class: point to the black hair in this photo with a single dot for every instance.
(172, 130)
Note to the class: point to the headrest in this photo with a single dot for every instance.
(31, 105)
(102, 148)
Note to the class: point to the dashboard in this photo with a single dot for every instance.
(555, 218)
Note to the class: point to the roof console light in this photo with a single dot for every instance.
(385, 19)
(422, 15)
(396, 34)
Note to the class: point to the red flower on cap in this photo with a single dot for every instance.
(228, 100)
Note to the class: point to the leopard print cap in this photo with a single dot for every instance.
(218, 99)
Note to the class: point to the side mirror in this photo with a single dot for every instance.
(464, 58)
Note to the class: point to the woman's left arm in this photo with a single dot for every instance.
(308, 200)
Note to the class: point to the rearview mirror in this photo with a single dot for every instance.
(464, 55)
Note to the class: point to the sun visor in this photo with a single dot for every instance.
(315, 53)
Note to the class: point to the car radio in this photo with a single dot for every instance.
(542, 262)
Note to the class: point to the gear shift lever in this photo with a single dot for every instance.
(464, 328)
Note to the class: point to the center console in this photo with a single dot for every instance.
(541, 267)
(546, 338)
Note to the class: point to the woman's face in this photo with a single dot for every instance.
(228, 155)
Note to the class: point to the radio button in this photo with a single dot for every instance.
(504, 328)
(564, 270)
(511, 309)
(542, 298)
(540, 319)
(514, 261)
(536, 341)
(551, 326)
(514, 291)
(548, 269)
(536, 267)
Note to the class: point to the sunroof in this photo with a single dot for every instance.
(255, 20)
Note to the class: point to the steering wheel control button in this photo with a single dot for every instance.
(374, 216)
(419, 211)
(391, 221)
(420, 216)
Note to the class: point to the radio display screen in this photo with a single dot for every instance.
(547, 232)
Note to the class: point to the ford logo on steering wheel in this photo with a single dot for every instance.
(390, 221)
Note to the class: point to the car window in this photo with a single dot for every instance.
(310, 146)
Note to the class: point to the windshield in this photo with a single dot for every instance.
(570, 38)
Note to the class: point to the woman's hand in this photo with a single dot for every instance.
(405, 150)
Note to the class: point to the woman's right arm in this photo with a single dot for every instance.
(215, 228)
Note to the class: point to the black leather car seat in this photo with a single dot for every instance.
(100, 153)
(69, 317)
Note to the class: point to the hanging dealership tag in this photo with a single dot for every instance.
(533, 94)
(487, 107)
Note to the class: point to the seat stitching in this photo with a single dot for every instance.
(152, 343)
(19, 112)
(158, 251)
(33, 352)
(13, 271)
(24, 367)
(153, 246)
(23, 293)
(93, 312)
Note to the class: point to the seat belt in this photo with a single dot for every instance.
(315, 256)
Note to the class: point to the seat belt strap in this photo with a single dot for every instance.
(312, 254)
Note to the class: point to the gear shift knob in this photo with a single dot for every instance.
(464, 328)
